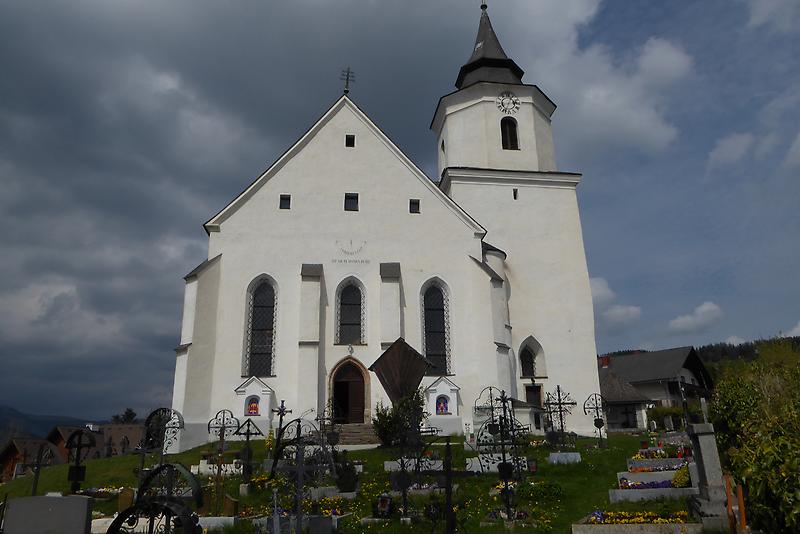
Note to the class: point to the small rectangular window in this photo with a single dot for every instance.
(413, 205)
(351, 202)
(350, 140)
(516, 193)
(286, 202)
(442, 145)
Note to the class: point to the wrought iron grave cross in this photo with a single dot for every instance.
(559, 403)
(79, 441)
(247, 429)
(223, 425)
(594, 405)
(300, 469)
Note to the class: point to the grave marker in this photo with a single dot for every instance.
(79, 443)
(222, 425)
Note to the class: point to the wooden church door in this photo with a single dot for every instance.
(348, 394)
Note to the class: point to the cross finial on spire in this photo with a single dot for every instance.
(347, 76)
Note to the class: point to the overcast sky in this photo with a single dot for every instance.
(124, 125)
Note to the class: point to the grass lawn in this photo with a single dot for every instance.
(583, 487)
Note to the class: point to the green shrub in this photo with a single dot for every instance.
(384, 423)
(398, 424)
(756, 412)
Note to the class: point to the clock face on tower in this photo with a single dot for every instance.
(507, 102)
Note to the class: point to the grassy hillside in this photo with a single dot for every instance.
(584, 485)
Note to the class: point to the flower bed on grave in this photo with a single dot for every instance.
(599, 517)
(655, 468)
(656, 464)
(662, 453)
(639, 522)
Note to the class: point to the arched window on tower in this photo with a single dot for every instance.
(528, 363)
(350, 301)
(260, 346)
(434, 308)
(508, 130)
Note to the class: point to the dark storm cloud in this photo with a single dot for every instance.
(124, 125)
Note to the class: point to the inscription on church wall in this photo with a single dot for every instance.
(348, 260)
(350, 247)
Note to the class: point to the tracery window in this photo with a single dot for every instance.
(508, 131)
(350, 329)
(260, 351)
(436, 341)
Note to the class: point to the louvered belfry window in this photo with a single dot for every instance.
(350, 316)
(508, 130)
(435, 331)
(262, 330)
(528, 363)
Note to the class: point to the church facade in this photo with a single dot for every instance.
(344, 245)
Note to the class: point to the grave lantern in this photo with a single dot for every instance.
(383, 507)
(533, 466)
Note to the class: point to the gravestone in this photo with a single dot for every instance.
(49, 515)
(230, 506)
(710, 503)
(126, 498)
(564, 458)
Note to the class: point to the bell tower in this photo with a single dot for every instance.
(496, 159)
(494, 120)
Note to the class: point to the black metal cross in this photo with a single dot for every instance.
(281, 412)
(449, 474)
(594, 405)
(44, 456)
(247, 429)
(77, 442)
(559, 403)
(347, 77)
(300, 469)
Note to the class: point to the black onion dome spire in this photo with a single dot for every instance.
(488, 63)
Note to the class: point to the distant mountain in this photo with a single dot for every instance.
(15, 423)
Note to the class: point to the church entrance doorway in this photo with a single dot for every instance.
(348, 394)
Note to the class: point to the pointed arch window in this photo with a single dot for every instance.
(532, 362)
(260, 354)
(508, 131)
(528, 363)
(436, 341)
(351, 315)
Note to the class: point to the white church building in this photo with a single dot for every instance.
(344, 245)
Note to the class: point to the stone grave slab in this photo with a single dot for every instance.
(633, 495)
(668, 528)
(49, 515)
(564, 458)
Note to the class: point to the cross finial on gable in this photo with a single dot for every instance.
(347, 76)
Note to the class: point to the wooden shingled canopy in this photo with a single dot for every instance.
(400, 369)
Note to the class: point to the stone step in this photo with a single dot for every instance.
(358, 434)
